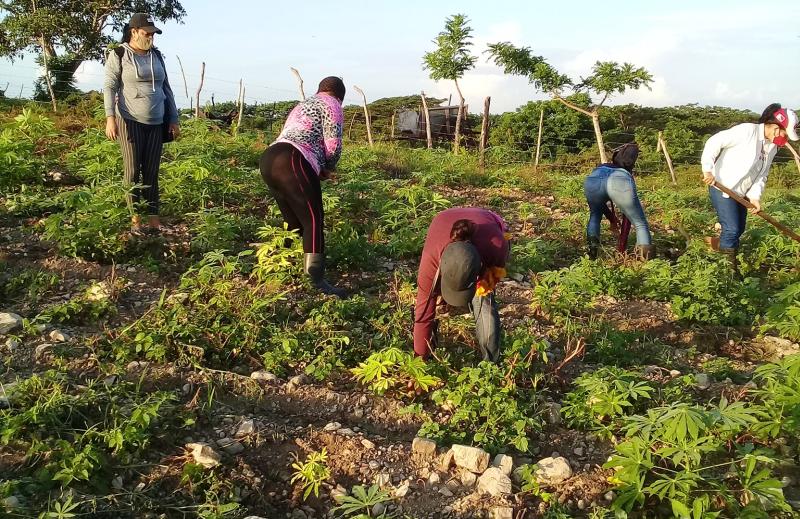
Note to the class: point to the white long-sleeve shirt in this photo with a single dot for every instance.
(740, 159)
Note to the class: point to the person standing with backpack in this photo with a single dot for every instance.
(141, 113)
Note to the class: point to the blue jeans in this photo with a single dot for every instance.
(487, 326)
(606, 184)
(732, 217)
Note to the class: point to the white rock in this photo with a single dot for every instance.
(58, 336)
(610, 495)
(204, 455)
(332, 426)
(435, 479)
(338, 493)
(41, 350)
(137, 365)
(299, 380)
(383, 480)
(582, 504)
(702, 381)
(674, 373)
(470, 458)
(9, 322)
(494, 482)
(263, 376)
(423, 448)
(504, 462)
(553, 413)
(344, 431)
(446, 461)
(367, 444)
(403, 489)
(230, 446)
(117, 482)
(501, 512)
(374, 465)
(246, 428)
(551, 471)
(468, 479)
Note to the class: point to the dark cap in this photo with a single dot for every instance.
(459, 269)
(143, 21)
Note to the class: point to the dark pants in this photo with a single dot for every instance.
(297, 191)
(606, 184)
(141, 153)
(732, 217)
(487, 326)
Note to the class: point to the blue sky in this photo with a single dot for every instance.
(732, 53)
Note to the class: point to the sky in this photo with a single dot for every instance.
(735, 53)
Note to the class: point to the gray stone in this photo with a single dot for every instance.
(383, 480)
(423, 448)
(501, 512)
(11, 502)
(358, 413)
(117, 482)
(610, 495)
(578, 451)
(9, 322)
(702, 381)
(299, 380)
(494, 482)
(374, 465)
(137, 365)
(378, 509)
(12, 345)
(674, 373)
(552, 471)
(403, 489)
(470, 458)
(246, 428)
(332, 426)
(553, 413)
(204, 455)
(582, 504)
(344, 431)
(264, 376)
(41, 351)
(230, 446)
(58, 336)
(504, 462)
(446, 492)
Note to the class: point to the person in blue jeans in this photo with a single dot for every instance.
(613, 183)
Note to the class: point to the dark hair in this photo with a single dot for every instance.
(625, 156)
(126, 33)
(462, 230)
(333, 85)
(768, 115)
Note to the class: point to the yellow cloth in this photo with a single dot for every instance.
(489, 280)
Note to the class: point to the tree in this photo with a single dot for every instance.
(65, 33)
(607, 78)
(452, 59)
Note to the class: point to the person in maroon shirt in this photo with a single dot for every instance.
(464, 245)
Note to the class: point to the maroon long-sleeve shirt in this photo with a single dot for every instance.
(492, 246)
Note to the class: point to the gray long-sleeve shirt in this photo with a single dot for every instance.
(137, 84)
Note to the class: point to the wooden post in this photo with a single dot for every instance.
(300, 81)
(199, 89)
(427, 120)
(457, 136)
(599, 136)
(366, 114)
(539, 141)
(391, 130)
(350, 130)
(794, 154)
(484, 133)
(241, 105)
(662, 145)
(185, 86)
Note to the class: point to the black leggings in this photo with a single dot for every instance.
(141, 153)
(296, 188)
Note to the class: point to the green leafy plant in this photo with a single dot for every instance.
(312, 472)
(392, 369)
(361, 502)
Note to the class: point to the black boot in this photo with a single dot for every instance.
(314, 266)
(592, 246)
(732, 255)
(644, 252)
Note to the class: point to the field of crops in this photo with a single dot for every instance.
(196, 374)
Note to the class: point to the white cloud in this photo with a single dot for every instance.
(89, 75)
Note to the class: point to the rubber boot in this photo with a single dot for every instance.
(314, 266)
(592, 246)
(732, 255)
(644, 252)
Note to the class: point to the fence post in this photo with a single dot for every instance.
(539, 141)
(391, 130)
(663, 146)
(484, 133)
(427, 120)
(197, 95)
(300, 80)
(185, 86)
(366, 114)
(241, 105)
(350, 130)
